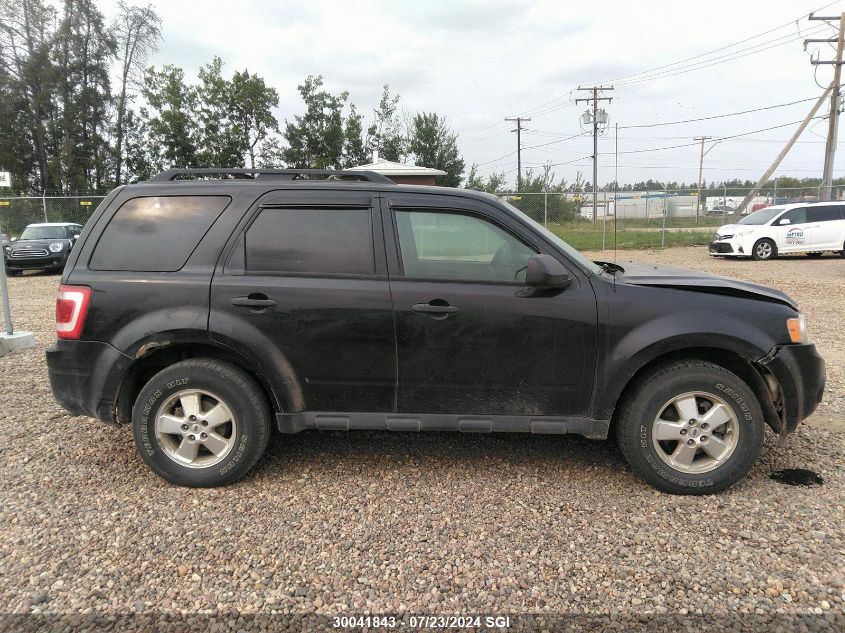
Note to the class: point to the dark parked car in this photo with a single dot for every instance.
(207, 312)
(41, 247)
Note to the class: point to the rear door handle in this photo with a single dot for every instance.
(254, 301)
(434, 308)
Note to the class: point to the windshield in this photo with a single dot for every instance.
(585, 263)
(43, 233)
(762, 216)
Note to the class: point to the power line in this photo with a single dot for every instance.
(718, 116)
(665, 67)
(721, 48)
(721, 138)
(722, 59)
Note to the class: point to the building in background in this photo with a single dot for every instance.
(401, 173)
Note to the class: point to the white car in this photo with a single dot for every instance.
(790, 228)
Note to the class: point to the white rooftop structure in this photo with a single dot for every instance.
(390, 168)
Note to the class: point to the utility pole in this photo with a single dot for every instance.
(700, 174)
(518, 131)
(594, 117)
(833, 122)
(768, 173)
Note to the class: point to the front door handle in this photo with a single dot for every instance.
(255, 300)
(436, 309)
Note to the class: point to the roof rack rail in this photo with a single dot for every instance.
(171, 175)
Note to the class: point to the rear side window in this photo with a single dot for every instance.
(311, 240)
(156, 233)
(826, 213)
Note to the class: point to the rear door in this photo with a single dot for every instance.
(468, 339)
(826, 226)
(303, 289)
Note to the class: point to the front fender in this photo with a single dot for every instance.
(658, 321)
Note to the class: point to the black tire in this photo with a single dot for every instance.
(637, 415)
(764, 249)
(248, 432)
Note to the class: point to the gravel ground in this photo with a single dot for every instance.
(349, 524)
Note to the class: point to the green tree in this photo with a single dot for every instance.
(386, 134)
(137, 31)
(172, 132)
(316, 138)
(83, 51)
(251, 104)
(354, 153)
(27, 32)
(434, 144)
(495, 182)
(219, 140)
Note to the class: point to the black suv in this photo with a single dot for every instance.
(207, 311)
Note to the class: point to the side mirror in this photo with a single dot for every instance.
(14, 239)
(784, 221)
(75, 236)
(544, 271)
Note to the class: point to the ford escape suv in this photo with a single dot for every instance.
(206, 308)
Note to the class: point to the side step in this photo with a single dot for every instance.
(405, 422)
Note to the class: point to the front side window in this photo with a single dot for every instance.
(455, 246)
(795, 216)
(824, 213)
(156, 233)
(762, 216)
(311, 240)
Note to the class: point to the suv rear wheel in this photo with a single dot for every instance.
(690, 427)
(201, 423)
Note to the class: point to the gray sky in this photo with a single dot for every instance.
(479, 61)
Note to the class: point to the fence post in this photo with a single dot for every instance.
(546, 208)
(665, 212)
(44, 203)
(4, 299)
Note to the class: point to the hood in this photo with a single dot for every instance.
(682, 279)
(39, 243)
(733, 229)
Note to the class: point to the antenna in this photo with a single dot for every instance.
(615, 194)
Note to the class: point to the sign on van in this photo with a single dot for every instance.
(5, 179)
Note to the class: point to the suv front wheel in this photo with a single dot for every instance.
(690, 427)
(201, 423)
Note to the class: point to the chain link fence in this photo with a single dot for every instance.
(629, 219)
(649, 219)
(17, 212)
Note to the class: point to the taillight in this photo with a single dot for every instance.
(71, 308)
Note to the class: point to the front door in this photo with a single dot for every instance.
(469, 339)
(305, 288)
(795, 235)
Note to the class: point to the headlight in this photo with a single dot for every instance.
(56, 247)
(797, 328)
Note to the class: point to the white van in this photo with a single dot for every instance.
(789, 228)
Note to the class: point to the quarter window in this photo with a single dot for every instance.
(156, 233)
(311, 240)
(456, 246)
(825, 213)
